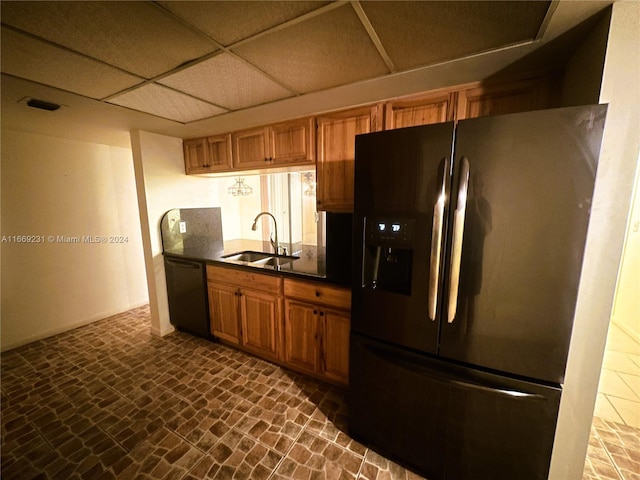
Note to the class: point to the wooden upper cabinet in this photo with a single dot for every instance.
(251, 148)
(293, 142)
(420, 110)
(288, 143)
(336, 156)
(208, 155)
(195, 155)
(512, 97)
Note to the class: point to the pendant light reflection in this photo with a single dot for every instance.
(240, 189)
(307, 179)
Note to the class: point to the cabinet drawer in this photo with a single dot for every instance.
(318, 293)
(245, 278)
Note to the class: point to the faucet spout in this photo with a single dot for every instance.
(274, 243)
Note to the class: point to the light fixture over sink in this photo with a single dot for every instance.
(240, 188)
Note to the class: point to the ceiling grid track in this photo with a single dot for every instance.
(373, 35)
(202, 60)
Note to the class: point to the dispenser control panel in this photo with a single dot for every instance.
(390, 232)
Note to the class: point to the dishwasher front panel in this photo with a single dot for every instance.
(187, 294)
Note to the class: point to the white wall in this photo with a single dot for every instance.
(54, 187)
(609, 214)
(162, 186)
(626, 311)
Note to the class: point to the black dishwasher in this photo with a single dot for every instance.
(187, 294)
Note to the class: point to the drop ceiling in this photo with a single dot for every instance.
(187, 62)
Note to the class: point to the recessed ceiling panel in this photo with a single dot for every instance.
(166, 103)
(228, 82)
(426, 32)
(325, 51)
(229, 21)
(24, 57)
(135, 36)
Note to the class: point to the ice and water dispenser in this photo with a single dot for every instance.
(388, 254)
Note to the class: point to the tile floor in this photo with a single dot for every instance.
(110, 400)
(619, 388)
(616, 424)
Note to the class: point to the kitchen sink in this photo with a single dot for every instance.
(276, 260)
(247, 256)
(260, 258)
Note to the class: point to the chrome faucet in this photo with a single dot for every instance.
(274, 243)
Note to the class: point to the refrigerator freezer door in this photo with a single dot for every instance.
(530, 185)
(402, 181)
(448, 422)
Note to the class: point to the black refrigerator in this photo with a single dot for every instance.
(467, 252)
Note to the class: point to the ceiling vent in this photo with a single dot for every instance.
(41, 104)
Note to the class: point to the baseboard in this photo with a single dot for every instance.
(70, 326)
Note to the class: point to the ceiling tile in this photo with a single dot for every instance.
(166, 103)
(230, 21)
(138, 37)
(324, 51)
(228, 82)
(24, 57)
(412, 32)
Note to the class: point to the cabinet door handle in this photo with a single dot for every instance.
(315, 312)
(317, 293)
(322, 314)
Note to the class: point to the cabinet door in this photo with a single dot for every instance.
(195, 155)
(335, 345)
(293, 142)
(514, 97)
(420, 111)
(219, 158)
(336, 156)
(223, 311)
(260, 314)
(251, 149)
(301, 335)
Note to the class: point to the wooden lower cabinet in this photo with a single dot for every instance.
(335, 345)
(224, 312)
(317, 325)
(300, 324)
(246, 309)
(260, 317)
(301, 335)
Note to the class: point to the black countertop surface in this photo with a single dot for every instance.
(310, 264)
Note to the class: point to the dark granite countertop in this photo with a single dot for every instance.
(310, 264)
(196, 234)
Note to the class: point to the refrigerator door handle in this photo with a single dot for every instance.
(436, 242)
(500, 391)
(445, 377)
(456, 242)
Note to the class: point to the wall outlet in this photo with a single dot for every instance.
(183, 227)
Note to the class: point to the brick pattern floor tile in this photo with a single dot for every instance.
(111, 401)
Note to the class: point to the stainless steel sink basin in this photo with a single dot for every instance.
(260, 258)
(276, 261)
(247, 256)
